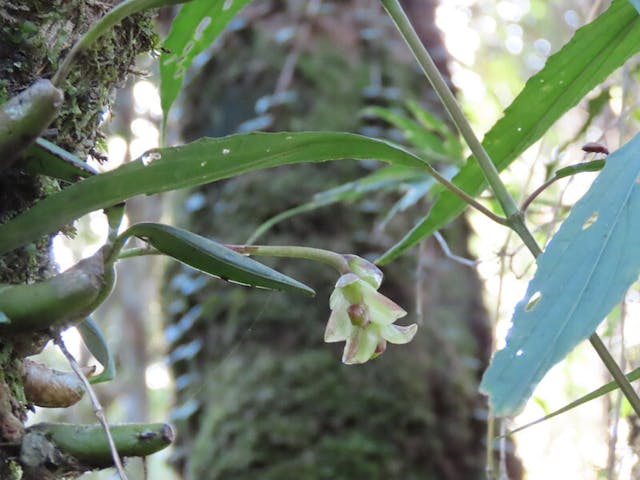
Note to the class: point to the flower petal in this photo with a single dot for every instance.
(337, 300)
(360, 346)
(347, 279)
(381, 310)
(398, 334)
(339, 326)
(351, 287)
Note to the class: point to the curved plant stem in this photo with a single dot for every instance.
(327, 257)
(515, 219)
(464, 196)
(333, 259)
(97, 407)
(593, 166)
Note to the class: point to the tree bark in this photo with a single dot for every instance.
(259, 395)
(34, 39)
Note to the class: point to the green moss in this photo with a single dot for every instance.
(313, 417)
(34, 38)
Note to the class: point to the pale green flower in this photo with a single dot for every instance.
(363, 317)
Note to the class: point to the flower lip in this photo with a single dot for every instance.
(358, 314)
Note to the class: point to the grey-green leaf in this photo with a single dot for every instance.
(584, 271)
(97, 344)
(203, 161)
(213, 258)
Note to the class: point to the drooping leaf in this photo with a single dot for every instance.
(582, 274)
(213, 258)
(196, 26)
(93, 338)
(203, 161)
(593, 53)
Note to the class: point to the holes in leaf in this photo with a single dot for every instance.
(533, 300)
(590, 221)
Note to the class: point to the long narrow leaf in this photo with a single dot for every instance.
(593, 53)
(582, 274)
(597, 393)
(213, 258)
(195, 27)
(203, 161)
(46, 158)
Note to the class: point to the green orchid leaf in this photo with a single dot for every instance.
(195, 27)
(203, 161)
(46, 158)
(95, 341)
(424, 139)
(415, 191)
(594, 52)
(603, 390)
(593, 166)
(584, 271)
(213, 258)
(387, 178)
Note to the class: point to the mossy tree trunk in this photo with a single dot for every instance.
(34, 37)
(259, 395)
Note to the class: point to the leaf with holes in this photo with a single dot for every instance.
(594, 52)
(584, 271)
(197, 25)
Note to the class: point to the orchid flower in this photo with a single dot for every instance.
(362, 316)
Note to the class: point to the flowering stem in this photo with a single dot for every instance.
(515, 218)
(327, 257)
